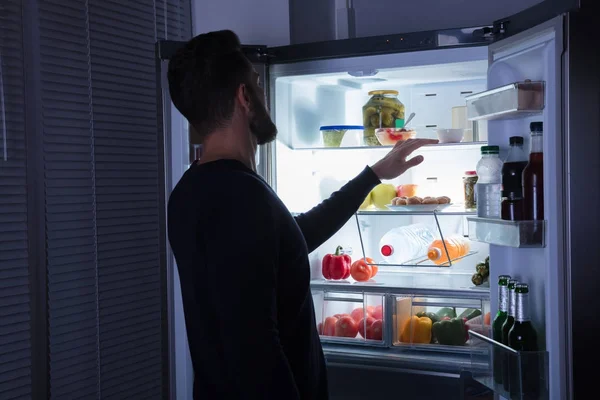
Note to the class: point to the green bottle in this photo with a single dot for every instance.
(523, 338)
(510, 319)
(499, 319)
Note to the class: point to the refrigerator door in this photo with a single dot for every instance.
(536, 54)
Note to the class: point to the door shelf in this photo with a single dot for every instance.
(492, 363)
(516, 100)
(507, 233)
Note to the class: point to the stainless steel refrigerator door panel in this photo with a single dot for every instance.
(536, 54)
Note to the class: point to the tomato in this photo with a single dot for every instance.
(358, 313)
(329, 326)
(378, 313)
(346, 327)
(370, 310)
(375, 331)
(375, 270)
(361, 326)
(338, 316)
(361, 271)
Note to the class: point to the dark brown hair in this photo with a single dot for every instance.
(204, 77)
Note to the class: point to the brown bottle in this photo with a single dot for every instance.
(533, 176)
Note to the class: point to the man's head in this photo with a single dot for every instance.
(212, 83)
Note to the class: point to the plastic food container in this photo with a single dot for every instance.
(383, 110)
(333, 134)
(390, 136)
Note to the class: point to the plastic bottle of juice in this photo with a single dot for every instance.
(457, 247)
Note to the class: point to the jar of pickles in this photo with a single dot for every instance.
(383, 110)
(469, 181)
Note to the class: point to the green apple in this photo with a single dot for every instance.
(382, 194)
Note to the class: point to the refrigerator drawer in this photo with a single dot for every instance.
(438, 323)
(340, 317)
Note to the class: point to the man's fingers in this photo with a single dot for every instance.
(413, 144)
(413, 162)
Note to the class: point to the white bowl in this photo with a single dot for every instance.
(450, 135)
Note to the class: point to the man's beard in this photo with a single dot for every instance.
(260, 124)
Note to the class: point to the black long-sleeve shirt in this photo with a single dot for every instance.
(245, 280)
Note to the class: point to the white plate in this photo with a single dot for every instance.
(418, 207)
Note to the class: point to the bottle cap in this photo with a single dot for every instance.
(490, 149)
(434, 254)
(515, 140)
(387, 250)
(471, 173)
(536, 127)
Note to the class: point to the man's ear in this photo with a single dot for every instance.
(243, 98)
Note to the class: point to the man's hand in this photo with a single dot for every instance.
(395, 163)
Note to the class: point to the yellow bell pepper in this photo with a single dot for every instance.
(419, 328)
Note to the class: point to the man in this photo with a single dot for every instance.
(242, 258)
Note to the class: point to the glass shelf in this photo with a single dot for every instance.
(507, 233)
(427, 281)
(464, 145)
(455, 209)
(519, 99)
(527, 373)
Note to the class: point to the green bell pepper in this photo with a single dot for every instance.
(446, 312)
(450, 332)
(470, 313)
(432, 316)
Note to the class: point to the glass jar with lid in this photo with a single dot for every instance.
(383, 110)
(469, 181)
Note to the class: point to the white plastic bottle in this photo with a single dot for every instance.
(489, 183)
(406, 243)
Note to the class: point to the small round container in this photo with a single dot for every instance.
(391, 136)
(469, 181)
(450, 135)
(333, 134)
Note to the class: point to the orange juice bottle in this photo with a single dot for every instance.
(457, 246)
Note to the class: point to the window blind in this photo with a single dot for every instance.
(70, 199)
(15, 313)
(104, 212)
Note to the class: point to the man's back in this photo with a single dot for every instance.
(243, 266)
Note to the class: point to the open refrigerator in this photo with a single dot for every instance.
(485, 72)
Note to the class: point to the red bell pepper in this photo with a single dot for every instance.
(337, 265)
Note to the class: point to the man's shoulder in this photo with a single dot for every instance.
(208, 183)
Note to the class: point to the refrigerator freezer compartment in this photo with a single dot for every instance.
(507, 233)
(353, 318)
(526, 372)
(438, 323)
(517, 99)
